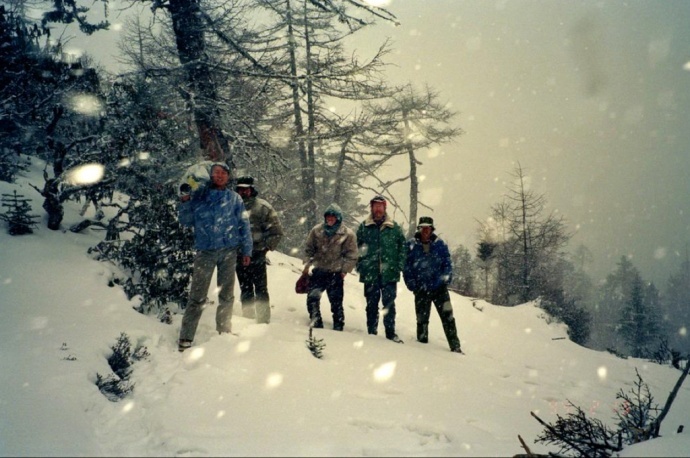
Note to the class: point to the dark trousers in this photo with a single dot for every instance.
(386, 293)
(332, 283)
(441, 299)
(254, 288)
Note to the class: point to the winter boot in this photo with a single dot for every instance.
(394, 338)
(315, 320)
(183, 345)
(451, 332)
(422, 333)
(316, 323)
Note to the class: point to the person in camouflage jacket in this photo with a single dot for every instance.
(382, 254)
(266, 233)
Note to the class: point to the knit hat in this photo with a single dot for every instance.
(222, 165)
(378, 198)
(426, 221)
(245, 182)
(333, 210)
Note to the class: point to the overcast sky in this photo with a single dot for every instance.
(591, 97)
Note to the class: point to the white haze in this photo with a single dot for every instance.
(261, 392)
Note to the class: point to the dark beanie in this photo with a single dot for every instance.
(245, 182)
(378, 198)
(426, 221)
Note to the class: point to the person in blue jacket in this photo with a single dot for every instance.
(428, 272)
(221, 234)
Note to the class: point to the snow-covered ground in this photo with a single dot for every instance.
(262, 393)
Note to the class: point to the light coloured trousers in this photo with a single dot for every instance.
(205, 263)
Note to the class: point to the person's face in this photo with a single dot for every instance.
(219, 177)
(425, 233)
(378, 210)
(244, 191)
(331, 220)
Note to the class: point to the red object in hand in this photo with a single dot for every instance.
(302, 285)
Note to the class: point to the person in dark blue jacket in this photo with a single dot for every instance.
(428, 272)
(221, 233)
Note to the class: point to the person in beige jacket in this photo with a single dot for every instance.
(331, 252)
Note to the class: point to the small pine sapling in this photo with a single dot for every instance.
(117, 385)
(315, 345)
(113, 387)
(18, 216)
(69, 357)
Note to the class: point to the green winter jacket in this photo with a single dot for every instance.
(382, 250)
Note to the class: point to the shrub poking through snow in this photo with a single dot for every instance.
(117, 385)
(315, 345)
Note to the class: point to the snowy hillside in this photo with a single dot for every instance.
(262, 393)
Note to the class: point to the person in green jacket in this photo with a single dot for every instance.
(382, 255)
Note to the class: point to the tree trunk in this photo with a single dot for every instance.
(308, 181)
(201, 91)
(311, 129)
(51, 190)
(338, 186)
(414, 180)
(526, 265)
(486, 283)
(414, 192)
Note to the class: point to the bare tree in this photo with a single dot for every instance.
(308, 40)
(409, 122)
(530, 242)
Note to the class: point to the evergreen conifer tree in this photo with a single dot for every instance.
(19, 219)
(639, 324)
(158, 256)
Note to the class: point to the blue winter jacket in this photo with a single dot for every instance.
(219, 220)
(427, 271)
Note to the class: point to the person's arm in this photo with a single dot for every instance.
(185, 211)
(402, 249)
(409, 276)
(273, 229)
(446, 264)
(349, 253)
(359, 237)
(245, 230)
(309, 250)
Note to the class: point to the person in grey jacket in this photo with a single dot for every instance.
(266, 235)
(331, 249)
(221, 231)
